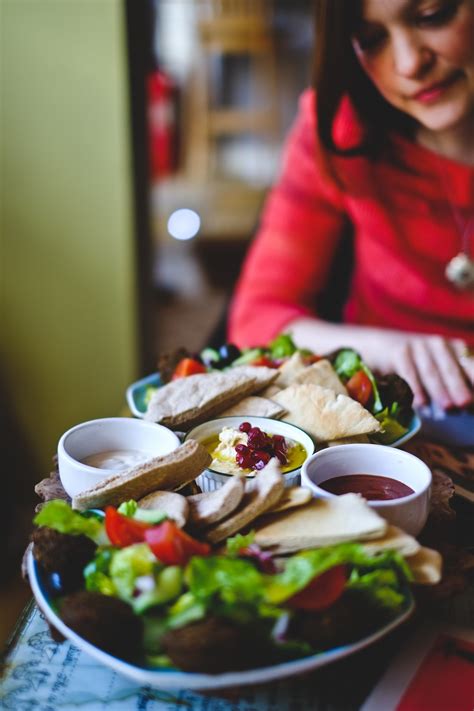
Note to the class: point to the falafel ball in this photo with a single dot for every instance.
(216, 645)
(63, 554)
(349, 619)
(105, 621)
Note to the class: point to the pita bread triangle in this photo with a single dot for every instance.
(321, 373)
(188, 401)
(324, 414)
(321, 522)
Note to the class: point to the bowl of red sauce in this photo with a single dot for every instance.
(395, 483)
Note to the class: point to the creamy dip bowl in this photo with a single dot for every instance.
(93, 450)
(300, 447)
(410, 486)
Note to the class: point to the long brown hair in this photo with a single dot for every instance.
(337, 73)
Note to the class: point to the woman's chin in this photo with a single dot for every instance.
(445, 116)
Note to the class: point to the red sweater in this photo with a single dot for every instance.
(404, 235)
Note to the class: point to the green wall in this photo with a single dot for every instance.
(68, 305)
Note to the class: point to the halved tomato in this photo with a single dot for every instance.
(266, 361)
(172, 546)
(322, 591)
(122, 530)
(188, 366)
(359, 387)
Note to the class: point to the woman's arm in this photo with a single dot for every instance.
(435, 367)
(288, 263)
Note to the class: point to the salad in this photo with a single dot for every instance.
(388, 398)
(134, 584)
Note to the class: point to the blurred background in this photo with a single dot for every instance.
(138, 141)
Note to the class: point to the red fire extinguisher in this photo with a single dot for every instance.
(162, 122)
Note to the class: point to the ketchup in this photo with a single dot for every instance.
(372, 486)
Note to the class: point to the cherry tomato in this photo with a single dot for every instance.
(266, 361)
(172, 546)
(123, 531)
(310, 359)
(359, 387)
(188, 366)
(322, 591)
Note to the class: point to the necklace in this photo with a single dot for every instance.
(459, 271)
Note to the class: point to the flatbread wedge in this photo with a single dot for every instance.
(293, 496)
(186, 402)
(254, 405)
(321, 373)
(323, 414)
(261, 493)
(321, 522)
(174, 505)
(170, 471)
(394, 539)
(213, 506)
(426, 566)
(290, 369)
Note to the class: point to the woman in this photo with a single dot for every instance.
(386, 146)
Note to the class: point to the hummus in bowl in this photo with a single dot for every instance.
(230, 444)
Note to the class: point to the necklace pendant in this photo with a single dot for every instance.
(460, 271)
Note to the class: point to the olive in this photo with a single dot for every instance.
(228, 353)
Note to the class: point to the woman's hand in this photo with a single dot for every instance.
(437, 369)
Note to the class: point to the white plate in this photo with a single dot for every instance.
(174, 679)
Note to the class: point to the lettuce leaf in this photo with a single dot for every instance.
(132, 510)
(391, 427)
(168, 585)
(185, 610)
(233, 580)
(96, 573)
(57, 514)
(238, 542)
(348, 362)
(282, 346)
(127, 564)
(301, 568)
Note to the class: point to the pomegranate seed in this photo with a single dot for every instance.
(258, 439)
(245, 427)
(260, 458)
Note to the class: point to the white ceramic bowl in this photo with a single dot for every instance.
(409, 513)
(210, 480)
(104, 435)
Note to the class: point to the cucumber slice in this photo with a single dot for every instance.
(248, 356)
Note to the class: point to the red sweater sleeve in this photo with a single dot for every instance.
(289, 260)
